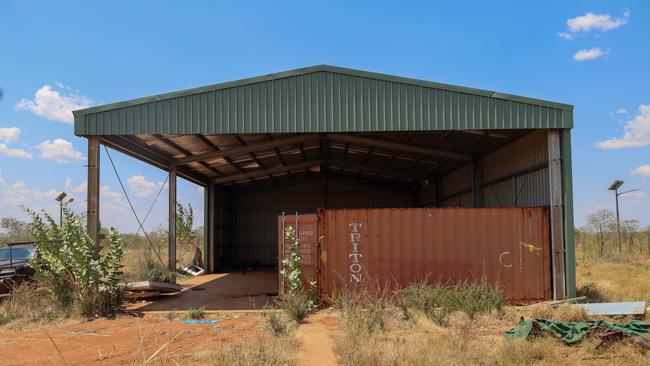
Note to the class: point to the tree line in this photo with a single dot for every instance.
(599, 236)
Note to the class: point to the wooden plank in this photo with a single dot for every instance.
(172, 219)
(164, 287)
(556, 212)
(141, 294)
(92, 214)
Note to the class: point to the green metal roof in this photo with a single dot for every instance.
(322, 99)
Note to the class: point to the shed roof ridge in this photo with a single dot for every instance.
(316, 69)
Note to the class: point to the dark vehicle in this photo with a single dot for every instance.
(14, 264)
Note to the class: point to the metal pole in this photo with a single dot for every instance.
(61, 213)
(283, 255)
(618, 223)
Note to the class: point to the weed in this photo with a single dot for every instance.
(296, 305)
(439, 300)
(171, 316)
(30, 303)
(278, 326)
(154, 271)
(592, 292)
(196, 313)
(260, 351)
(365, 307)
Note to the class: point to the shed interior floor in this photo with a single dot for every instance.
(219, 291)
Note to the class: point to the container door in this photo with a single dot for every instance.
(307, 229)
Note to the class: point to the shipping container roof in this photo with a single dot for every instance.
(322, 99)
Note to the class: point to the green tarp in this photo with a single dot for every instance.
(572, 333)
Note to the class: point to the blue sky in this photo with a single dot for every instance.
(55, 56)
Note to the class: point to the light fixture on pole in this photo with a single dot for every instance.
(614, 187)
(60, 198)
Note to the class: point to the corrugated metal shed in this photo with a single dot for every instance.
(322, 99)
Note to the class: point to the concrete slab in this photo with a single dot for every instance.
(222, 291)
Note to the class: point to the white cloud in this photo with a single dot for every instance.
(199, 190)
(141, 186)
(20, 194)
(60, 151)
(565, 35)
(112, 202)
(14, 153)
(80, 188)
(55, 105)
(642, 170)
(591, 21)
(621, 111)
(636, 132)
(9, 134)
(590, 54)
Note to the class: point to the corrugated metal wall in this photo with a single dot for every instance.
(455, 182)
(525, 190)
(322, 99)
(255, 214)
(524, 164)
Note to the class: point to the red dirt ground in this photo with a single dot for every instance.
(126, 340)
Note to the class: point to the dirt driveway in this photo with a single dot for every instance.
(126, 340)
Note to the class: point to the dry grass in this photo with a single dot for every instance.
(378, 333)
(30, 306)
(262, 350)
(615, 281)
(419, 341)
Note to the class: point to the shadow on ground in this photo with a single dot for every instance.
(253, 290)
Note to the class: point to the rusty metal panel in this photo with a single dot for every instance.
(307, 228)
(507, 245)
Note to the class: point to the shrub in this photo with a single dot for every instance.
(296, 305)
(72, 267)
(365, 307)
(154, 271)
(171, 316)
(592, 292)
(277, 325)
(439, 300)
(196, 313)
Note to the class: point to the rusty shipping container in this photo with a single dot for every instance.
(510, 246)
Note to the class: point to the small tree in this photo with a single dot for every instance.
(601, 221)
(629, 228)
(13, 230)
(185, 232)
(72, 267)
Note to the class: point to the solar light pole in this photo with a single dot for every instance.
(60, 198)
(614, 187)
